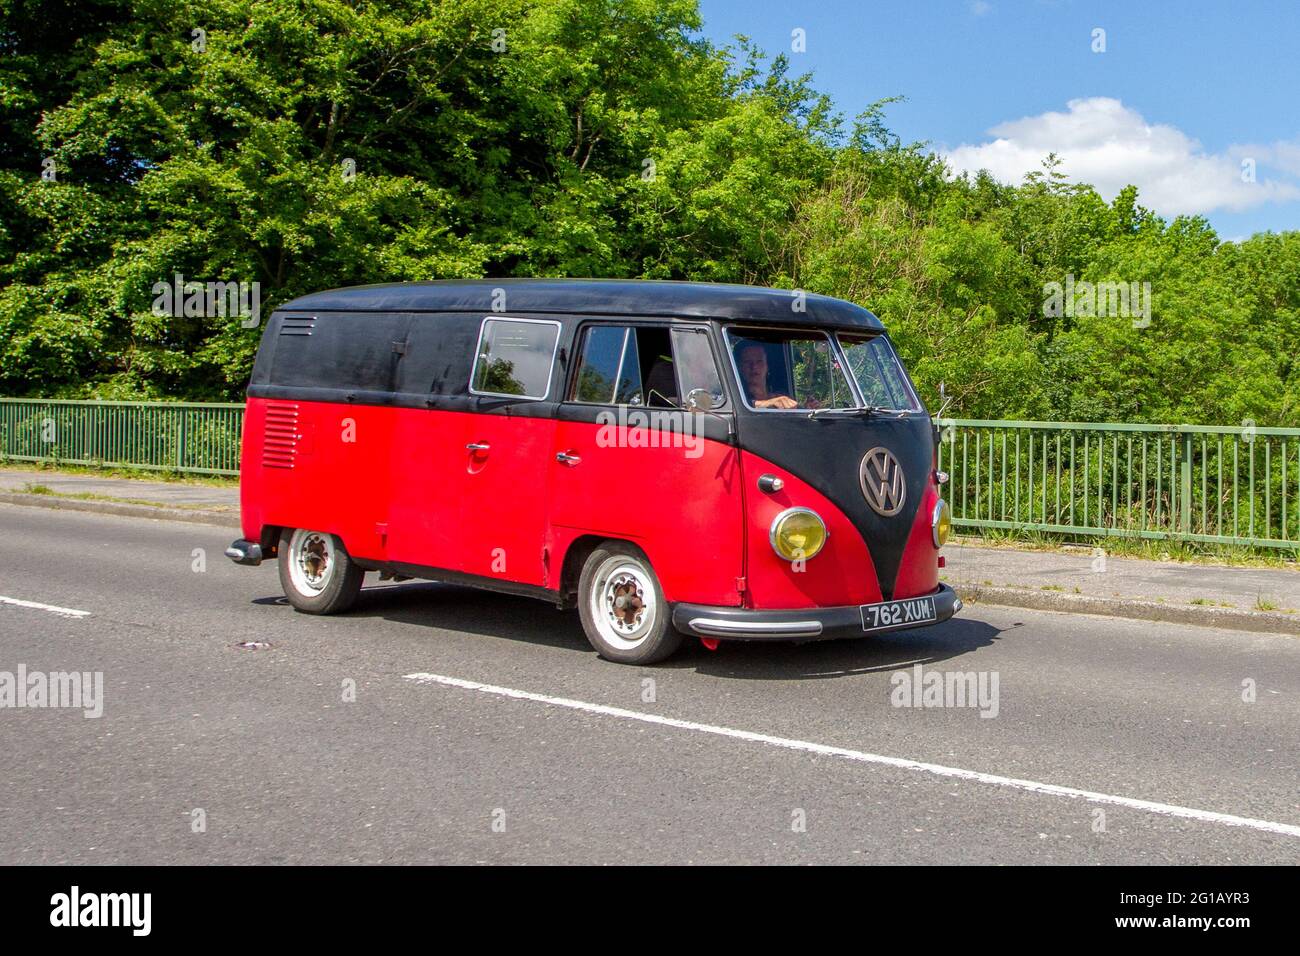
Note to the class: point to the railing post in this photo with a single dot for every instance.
(1185, 516)
(180, 442)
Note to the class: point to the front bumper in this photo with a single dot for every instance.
(803, 624)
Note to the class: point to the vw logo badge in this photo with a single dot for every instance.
(883, 484)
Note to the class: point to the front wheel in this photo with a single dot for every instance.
(316, 571)
(622, 607)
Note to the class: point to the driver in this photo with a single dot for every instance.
(751, 357)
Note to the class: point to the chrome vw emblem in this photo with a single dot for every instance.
(883, 484)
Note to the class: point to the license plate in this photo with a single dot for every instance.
(890, 614)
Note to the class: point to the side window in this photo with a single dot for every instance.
(609, 367)
(648, 365)
(784, 370)
(695, 365)
(625, 365)
(657, 371)
(514, 358)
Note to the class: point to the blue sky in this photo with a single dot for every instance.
(1183, 93)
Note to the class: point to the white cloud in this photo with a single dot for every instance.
(980, 7)
(1283, 156)
(1103, 142)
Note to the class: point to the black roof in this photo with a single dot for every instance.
(593, 297)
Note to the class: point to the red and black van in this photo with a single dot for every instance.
(671, 458)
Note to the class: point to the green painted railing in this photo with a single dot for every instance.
(1225, 485)
(1228, 485)
(192, 437)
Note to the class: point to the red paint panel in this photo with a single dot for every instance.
(681, 505)
(842, 573)
(251, 491)
(408, 473)
(918, 571)
(502, 495)
(426, 460)
(398, 484)
(330, 471)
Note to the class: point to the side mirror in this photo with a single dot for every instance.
(699, 400)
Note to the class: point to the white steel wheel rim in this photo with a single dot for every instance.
(622, 603)
(312, 559)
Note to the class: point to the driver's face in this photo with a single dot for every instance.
(753, 367)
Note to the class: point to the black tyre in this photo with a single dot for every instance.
(316, 572)
(622, 607)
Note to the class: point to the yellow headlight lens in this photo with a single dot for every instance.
(798, 534)
(942, 523)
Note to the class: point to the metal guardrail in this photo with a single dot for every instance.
(1223, 485)
(192, 437)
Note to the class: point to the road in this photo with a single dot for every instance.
(751, 754)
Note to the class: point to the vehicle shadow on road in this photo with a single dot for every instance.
(473, 611)
(434, 605)
(958, 638)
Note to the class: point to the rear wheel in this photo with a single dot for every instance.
(622, 607)
(316, 572)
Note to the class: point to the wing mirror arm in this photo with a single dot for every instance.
(944, 401)
(700, 401)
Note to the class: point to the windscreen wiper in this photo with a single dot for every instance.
(855, 410)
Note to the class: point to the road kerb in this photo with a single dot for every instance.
(1240, 619)
(225, 519)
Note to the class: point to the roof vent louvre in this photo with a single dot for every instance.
(297, 324)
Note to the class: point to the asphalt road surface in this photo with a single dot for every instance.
(1111, 742)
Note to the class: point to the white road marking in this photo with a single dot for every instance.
(65, 611)
(1031, 786)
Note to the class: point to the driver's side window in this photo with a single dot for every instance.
(783, 370)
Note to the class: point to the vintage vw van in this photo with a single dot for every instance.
(671, 458)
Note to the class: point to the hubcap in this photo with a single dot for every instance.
(626, 602)
(623, 604)
(311, 560)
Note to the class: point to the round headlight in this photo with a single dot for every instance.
(941, 523)
(797, 533)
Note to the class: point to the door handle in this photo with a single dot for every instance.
(568, 458)
(478, 446)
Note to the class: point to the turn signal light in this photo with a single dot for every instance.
(941, 523)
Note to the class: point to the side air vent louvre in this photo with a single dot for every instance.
(297, 324)
(280, 446)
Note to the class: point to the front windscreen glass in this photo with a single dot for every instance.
(878, 372)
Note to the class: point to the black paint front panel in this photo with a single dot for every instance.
(826, 452)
